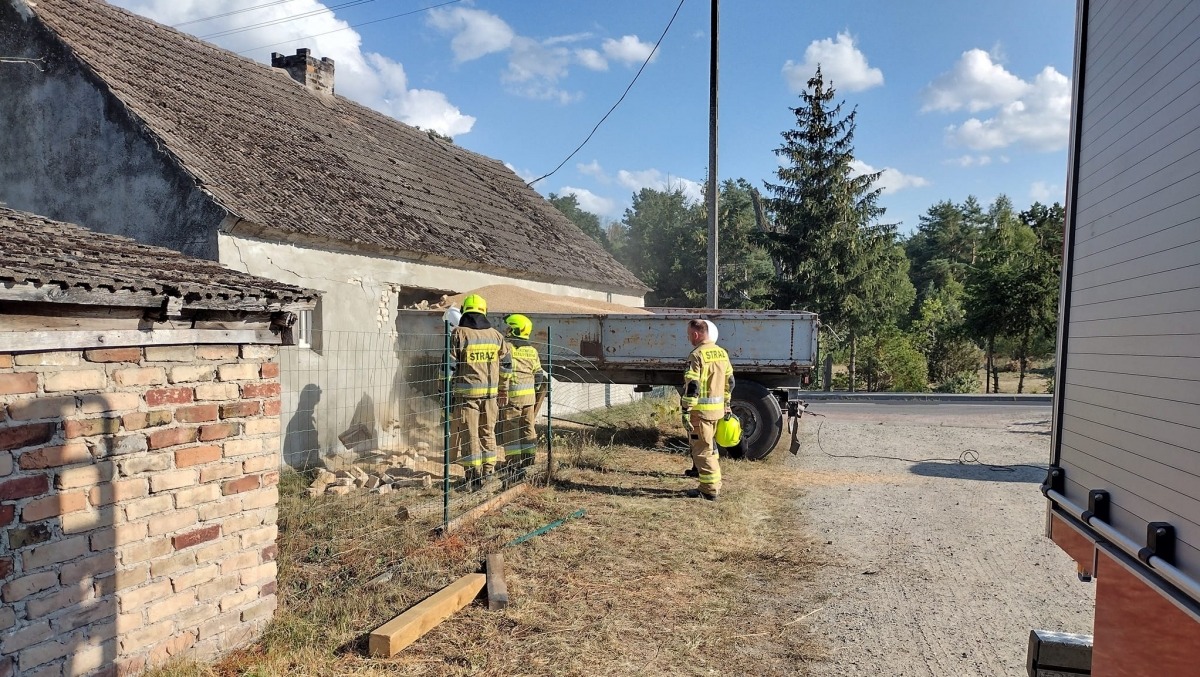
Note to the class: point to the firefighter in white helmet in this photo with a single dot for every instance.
(708, 388)
(527, 384)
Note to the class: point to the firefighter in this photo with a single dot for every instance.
(479, 358)
(707, 389)
(527, 384)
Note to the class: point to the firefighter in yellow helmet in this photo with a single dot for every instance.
(527, 383)
(707, 389)
(479, 360)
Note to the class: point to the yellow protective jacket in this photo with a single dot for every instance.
(479, 357)
(707, 381)
(527, 376)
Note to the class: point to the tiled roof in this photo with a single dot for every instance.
(325, 168)
(82, 266)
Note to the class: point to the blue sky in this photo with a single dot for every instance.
(954, 97)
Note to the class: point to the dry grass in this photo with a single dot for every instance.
(646, 582)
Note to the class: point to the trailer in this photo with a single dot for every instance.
(1123, 486)
(774, 355)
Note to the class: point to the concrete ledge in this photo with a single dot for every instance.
(919, 398)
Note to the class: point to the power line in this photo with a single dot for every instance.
(346, 28)
(618, 103)
(230, 13)
(286, 19)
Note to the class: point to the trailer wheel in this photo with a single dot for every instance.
(762, 420)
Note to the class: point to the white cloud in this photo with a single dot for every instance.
(594, 170)
(891, 180)
(476, 33)
(567, 39)
(591, 59)
(1034, 114)
(628, 50)
(971, 161)
(535, 68)
(369, 78)
(653, 178)
(975, 83)
(841, 62)
(590, 202)
(1044, 192)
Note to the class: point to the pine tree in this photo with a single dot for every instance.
(831, 255)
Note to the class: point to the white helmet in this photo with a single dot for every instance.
(712, 330)
(452, 316)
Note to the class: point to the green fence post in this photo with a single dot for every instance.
(549, 404)
(446, 383)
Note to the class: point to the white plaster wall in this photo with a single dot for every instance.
(367, 368)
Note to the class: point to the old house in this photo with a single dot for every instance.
(129, 127)
(139, 450)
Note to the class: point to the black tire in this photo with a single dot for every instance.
(762, 420)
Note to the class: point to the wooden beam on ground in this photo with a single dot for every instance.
(483, 508)
(497, 588)
(392, 637)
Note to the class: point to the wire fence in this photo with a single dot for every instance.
(368, 415)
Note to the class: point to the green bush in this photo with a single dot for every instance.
(962, 382)
(895, 365)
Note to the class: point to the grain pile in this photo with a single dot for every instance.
(507, 298)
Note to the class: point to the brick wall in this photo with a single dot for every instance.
(138, 491)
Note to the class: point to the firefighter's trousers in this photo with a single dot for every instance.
(704, 454)
(473, 434)
(518, 432)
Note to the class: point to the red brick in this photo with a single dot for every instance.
(171, 437)
(161, 396)
(113, 355)
(252, 390)
(35, 485)
(18, 384)
(272, 407)
(7, 513)
(249, 483)
(6, 567)
(91, 426)
(269, 553)
(197, 414)
(52, 457)
(196, 455)
(240, 409)
(196, 537)
(217, 432)
(268, 589)
(270, 370)
(5, 361)
(26, 435)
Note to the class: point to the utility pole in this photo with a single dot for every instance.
(713, 275)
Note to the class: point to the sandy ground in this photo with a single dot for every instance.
(936, 568)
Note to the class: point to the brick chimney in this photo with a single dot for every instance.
(316, 76)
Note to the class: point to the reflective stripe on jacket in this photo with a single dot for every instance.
(708, 381)
(527, 373)
(477, 356)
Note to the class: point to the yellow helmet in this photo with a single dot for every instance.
(519, 325)
(729, 431)
(474, 304)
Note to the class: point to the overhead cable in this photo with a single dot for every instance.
(346, 28)
(618, 103)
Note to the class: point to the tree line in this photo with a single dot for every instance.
(970, 287)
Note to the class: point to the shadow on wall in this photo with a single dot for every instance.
(980, 472)
(301, 444)
(58, 556)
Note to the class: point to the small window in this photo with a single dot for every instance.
(302, 331)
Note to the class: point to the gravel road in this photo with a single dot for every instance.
(935, 568)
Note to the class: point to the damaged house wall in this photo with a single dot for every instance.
(63, 137)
